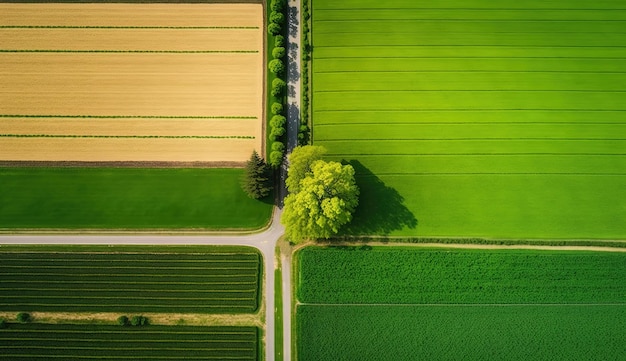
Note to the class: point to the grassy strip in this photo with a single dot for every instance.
(130, 51)
(445, 276)
(387, 332)
(29, 341)
(128, 136)
(485, 241)
(127, 198)
(127, 116)
(42, 287)
(278, 305)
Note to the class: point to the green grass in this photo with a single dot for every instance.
(128, 198)
(394, 333)
(79, 342)
(118, 279)
(401, 303)
(427, 276)
(493, 119)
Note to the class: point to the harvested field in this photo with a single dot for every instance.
(131, 71)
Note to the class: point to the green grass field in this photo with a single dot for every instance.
(128, 280)
(478, 118)
(403, 303)
(128, 198)
(403, 333)
(21, 342)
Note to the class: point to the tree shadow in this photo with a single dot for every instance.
(294, 20)
(381, 208)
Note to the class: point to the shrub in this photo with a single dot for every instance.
(23, 317)
(274, 29)
(277, 108)
(278, 121)
(122, 320)
(3, 323)
(279, 83)
(278, 147)
(277, 91)
(276, 66)
(279, 41)
(278, 52)
(276, 157)
(139, 321)
(277, 133)
(277, 17)
(277, 5)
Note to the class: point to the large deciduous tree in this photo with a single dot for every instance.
(256, 181)
(300, 161)
(326, 196)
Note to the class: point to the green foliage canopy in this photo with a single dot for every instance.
(256, 180)
(300, 161)
(325, 201)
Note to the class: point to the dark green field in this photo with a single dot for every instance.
(169, 280)
(127, 198)
(476, 118)
(476, 333)
(22, 342)
(401, 303)
(440, 276)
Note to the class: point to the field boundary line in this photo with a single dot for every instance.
(129, 27)
(459, 304)
(130, 51)
(229, 137)
(128, 116)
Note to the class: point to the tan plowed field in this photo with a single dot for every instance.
(236, 15)
(142, 149)
(130, 76)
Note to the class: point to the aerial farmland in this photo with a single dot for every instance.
(98, 86)
(117, 83)
(500, 119)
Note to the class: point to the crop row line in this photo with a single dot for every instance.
(134, 357)
(474, 45)
(129, 290)
(396, 90)
(365, 57)
(465, 139)
(120, 340)
(169, 306)
(468, 71)
(490, 9)
(361, 155)
(495, 173)
(84, 297)
(377, 20)
(133, 117)
(128, 27)
(208, 266)
(473, 123)
(37, 347)
(132, 282)
(492, 110)
(460, 304)
(127, 274)
(143, 332)
(134, 260)
(128, 136)
(422, 31)
(130, 51)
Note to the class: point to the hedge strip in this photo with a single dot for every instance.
(129, 116)
(129, 136)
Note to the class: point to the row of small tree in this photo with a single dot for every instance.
(303, 131)
(278, 120)
(133, 321)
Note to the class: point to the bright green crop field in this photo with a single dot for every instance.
(130, 280)
(477, 118)
(402, 303)
(22, 342)
(128, 198)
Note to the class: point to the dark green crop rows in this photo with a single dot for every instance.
(471, 333)
(212, 281)
(436, 276)
(22, 342)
